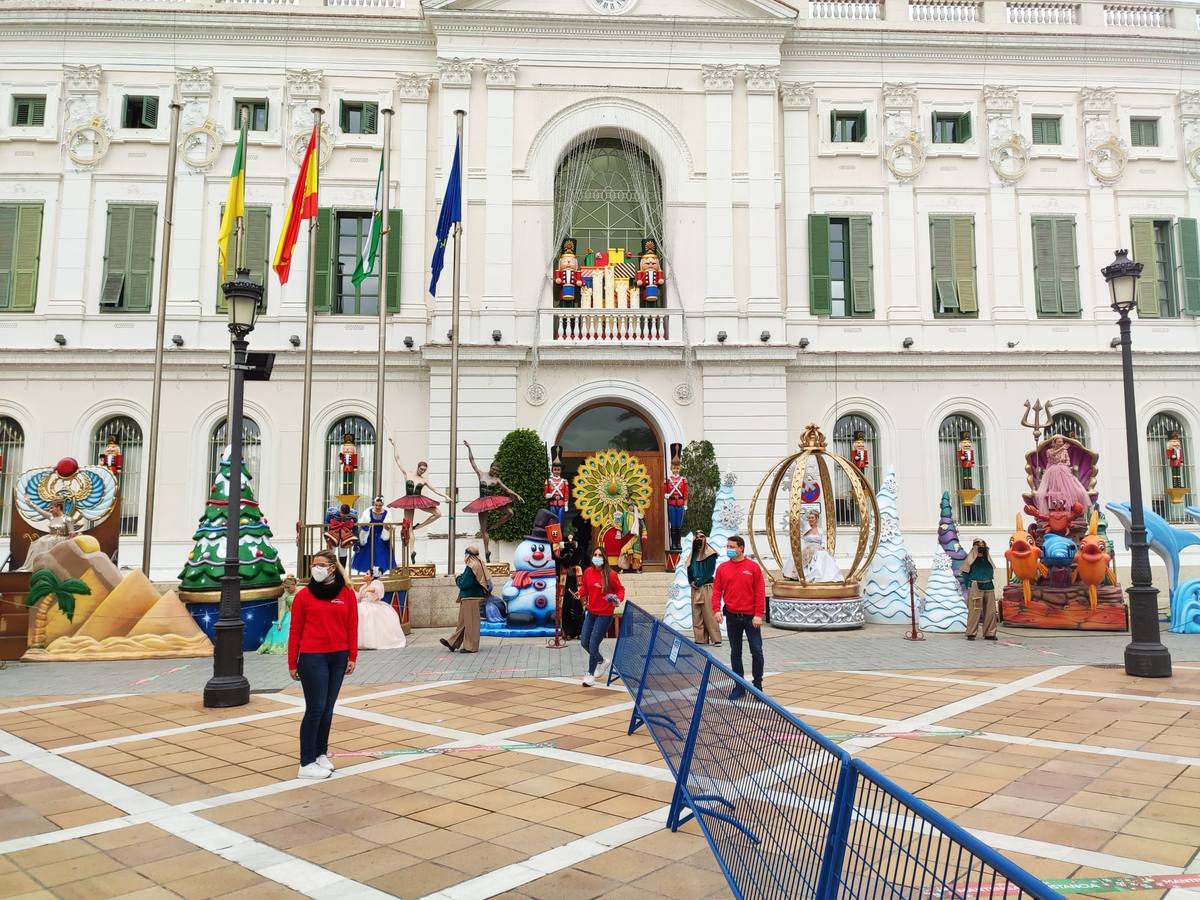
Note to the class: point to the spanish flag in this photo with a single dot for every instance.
(235, 205)
(303, 206)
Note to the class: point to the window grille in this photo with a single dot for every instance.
(1068, 425)
(1161, 475)
(845, 509)
(128, 435)
(952, 475)
(364, 440)
(218, 439)
(12, 452)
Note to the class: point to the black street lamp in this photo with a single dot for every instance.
(1145, 655)
(228, 685)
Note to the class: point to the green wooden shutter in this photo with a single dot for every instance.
(8, 244)
(1045, 268)
(1068, 266)
(394, 236)
(26, 250)
(1038, 137)
(941, 250)
(833, 135)
(139, 274)
(1143, 252)
(116, 252)
(861, 293)
(323, 265)
(1189, 257)
(150, 112)
(964, 264)
(370, 116)
(257, 251)
(820, 290)
(962, 133)
(862, 126)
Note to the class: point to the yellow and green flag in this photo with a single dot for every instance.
(235, 204)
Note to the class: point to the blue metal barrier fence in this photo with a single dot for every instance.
(787, 812)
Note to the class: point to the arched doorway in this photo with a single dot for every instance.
(609, 425)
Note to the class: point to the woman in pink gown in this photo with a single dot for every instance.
(378, 625)
(1059, 485)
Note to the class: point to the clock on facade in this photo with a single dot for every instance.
(612, 6)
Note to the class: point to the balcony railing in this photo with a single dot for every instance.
(1034, 13)
(954, 11)
(610, 326)
(1125, 15)
(846, 10)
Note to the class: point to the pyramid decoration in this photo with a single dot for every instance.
(948, 535)
(943, 610)
(885, 595)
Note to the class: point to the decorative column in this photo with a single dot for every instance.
(797, 196)
(762, 92)
(454, 92)
(496, 310)
(200, 142)
(1008, 161)
(1107, 158)
(1189, 120)
(904, 155)
(87, 133)
(412, 113)
(720, 305)
(303, 93)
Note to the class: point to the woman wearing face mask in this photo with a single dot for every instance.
(322, 650)
(474, 584)
(601, 593)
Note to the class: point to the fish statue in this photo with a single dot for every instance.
(1024, 558)
(1093, 558)
(1058, 551)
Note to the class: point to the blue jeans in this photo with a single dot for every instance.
(738, 624)
(595, 630)
(321, 677)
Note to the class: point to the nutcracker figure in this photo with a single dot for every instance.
(858, 451)
(557, 489)
(675, 492)
(348, 460)
(966, 465)
(111, 458)
(567, 276)
(1176, 493)
(650, 276)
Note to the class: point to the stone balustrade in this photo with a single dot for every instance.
(1024, 12)
(610, 326)
(846, 10)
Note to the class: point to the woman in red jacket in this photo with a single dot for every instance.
(322, 650)
(601, 592)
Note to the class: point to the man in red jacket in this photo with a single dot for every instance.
(740, 587)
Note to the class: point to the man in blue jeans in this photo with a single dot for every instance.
(739, 588)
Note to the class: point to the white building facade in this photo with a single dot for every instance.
(876, 215)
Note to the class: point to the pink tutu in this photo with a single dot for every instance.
(413, 501)
(1060, 484)
(486, 504)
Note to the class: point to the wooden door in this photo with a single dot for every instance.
(656, 518)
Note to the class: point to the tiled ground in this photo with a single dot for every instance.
(532, 788)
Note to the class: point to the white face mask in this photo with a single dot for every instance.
(597, 560)
(320, 573)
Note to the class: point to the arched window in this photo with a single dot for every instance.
(218, 440)
(128, 435)
(1163, 428)
(844, 431)
(1068, 425)
(363, 433)
(607, 193)
(12, 452)
(954, 478)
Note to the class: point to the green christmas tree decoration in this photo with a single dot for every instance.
(700, 468)
(258, 561)
(524, 465)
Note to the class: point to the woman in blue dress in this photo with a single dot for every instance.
(374, 540)
(276, 641)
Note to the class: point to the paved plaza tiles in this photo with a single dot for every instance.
(476, 783)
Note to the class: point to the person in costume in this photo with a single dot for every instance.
(675, 492)
(490, 497)
(474, 584)
(700, 574)
(570, 564)
(276, 641)
(1059, 487)
(1174, 455)
(978, 573)
(348, 461)
(633, 537)
(601, 593)
(374, 540)
(59, 528)
(414, 484)
(341, 531)
(111, 457)
(819, 564)
(379, 627)
(558, 489)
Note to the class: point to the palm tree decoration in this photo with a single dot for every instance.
(608, 483)
(44, 583)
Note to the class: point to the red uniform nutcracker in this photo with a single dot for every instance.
(348, 460)
(558, 489)
(650, 277)
(111, 458)
(675, 492)
(567, 276)
(1174, 455)
(966, 462)
(858, 451)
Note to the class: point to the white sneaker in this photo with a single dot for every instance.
(602, 668)
(324, 763)
(588, 680)
(314, 771)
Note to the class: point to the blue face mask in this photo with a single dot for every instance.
(730, 552)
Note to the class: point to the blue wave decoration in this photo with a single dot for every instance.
(1185, 608)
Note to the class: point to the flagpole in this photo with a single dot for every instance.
(309, 328)
(239, 231)
(160, 338)
(459, 116)
(380, 365)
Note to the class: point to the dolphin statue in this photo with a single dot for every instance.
(1168, 542)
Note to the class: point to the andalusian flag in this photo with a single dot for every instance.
(235, 205)
(370, 250)
(303, 206)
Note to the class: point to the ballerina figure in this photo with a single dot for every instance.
(819, 564)
(1059, 486)
(490, 490)
(59, 528)
(413, 499)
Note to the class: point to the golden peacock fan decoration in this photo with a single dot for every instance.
(610, 482)
(814, 451)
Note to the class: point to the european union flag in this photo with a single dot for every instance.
(451, 213)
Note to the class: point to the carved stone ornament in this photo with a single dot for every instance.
(455, 72)
(87, 144)
(905, 158)
(1097, 101)
(304, 82)
(200, 146)
(535, 394)
(899, 94)
(796, 94)
(717, 78)
(1193, 164)
(1189, 104)
(413, 86)
(998, 98)
(1010, 158)
(500, 72)
(762, 79)
(1108, 159)
(194, 80)
(298, 144)
(82, 79)
(684, 393)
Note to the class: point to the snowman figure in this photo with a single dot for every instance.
(529, 595)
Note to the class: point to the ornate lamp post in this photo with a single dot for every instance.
(228, 686)
(1145, 655)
